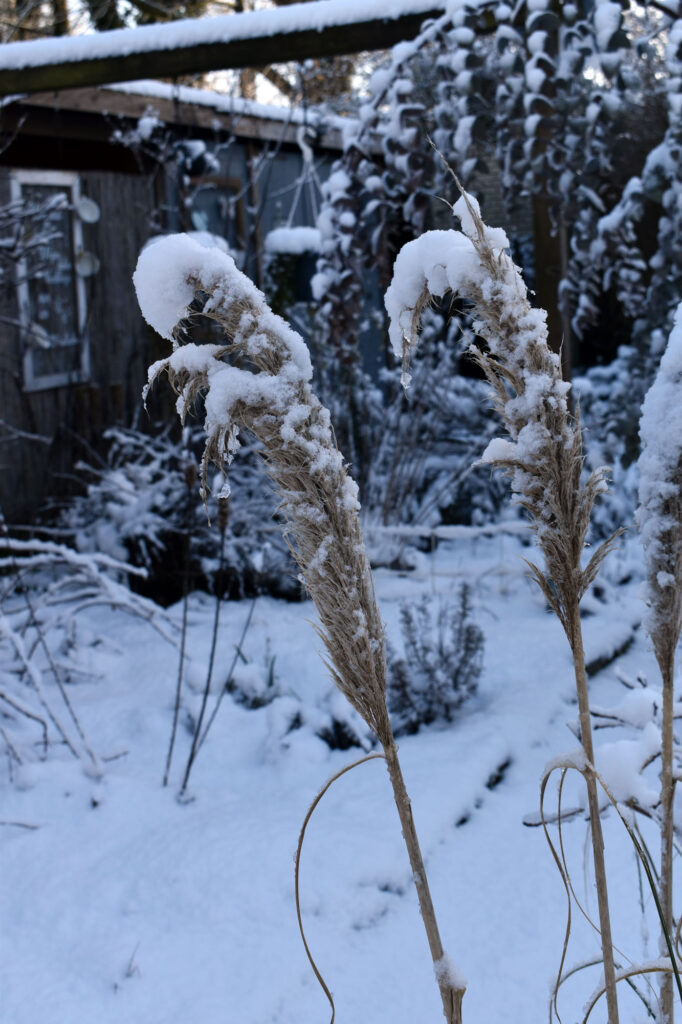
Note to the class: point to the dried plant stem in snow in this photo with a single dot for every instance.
(35, 623)
(543, 451)
(269, 394)
(223, 519)
(229, 679)
(660, 520)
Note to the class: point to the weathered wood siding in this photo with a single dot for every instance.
(73, 418)
(72, 132)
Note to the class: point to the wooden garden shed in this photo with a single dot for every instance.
(87, 177)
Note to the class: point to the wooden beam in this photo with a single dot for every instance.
(237, 119)
(373, 33)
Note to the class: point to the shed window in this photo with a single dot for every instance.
(51, 294)
(216, 207)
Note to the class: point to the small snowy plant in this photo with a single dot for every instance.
(443, 658)
(44, 589)
(660, 521)
(543, 452)
(270, 396)
(141, 506)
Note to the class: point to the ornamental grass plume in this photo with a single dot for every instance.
(268, 393)
(659, 518)
(543, 451)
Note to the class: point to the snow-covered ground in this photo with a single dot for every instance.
(121, 904)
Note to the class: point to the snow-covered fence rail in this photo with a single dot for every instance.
(454, 531)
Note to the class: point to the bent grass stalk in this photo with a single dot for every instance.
(32, 674)
(297, 871)
(543, 453)
(643, 860)
(318, 498)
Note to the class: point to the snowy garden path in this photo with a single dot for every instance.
(126, 906)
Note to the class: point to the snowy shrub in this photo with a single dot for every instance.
(143, 506)
(609, 420)
(43, 648)
(333, 721)
(254, 685)
(423, 463)
(569, 115)
(412, 457)
(441, 665)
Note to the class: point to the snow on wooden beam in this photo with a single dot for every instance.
(199, 109)
(324, 28)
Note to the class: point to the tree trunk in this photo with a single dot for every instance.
(60, 18)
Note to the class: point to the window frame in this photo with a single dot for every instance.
(227, 183)
(33, 381)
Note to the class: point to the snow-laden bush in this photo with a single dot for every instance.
(44, 650)
(292, 720)
(423, 468)
(143, 506)
(441, 665)
(609, 418)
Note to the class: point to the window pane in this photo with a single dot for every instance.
(50, 272)
(59, 359)
(213, 209)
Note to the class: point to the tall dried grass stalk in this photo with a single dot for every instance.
(190, 475)
(543, 453)
(659, 517)
(269, 394)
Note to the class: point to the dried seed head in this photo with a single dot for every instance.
(543, 455)
(274, 401)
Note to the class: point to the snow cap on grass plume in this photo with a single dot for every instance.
(659, 515)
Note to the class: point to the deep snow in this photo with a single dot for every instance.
(124, 905)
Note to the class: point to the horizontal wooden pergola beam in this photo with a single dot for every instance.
(66, 64)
